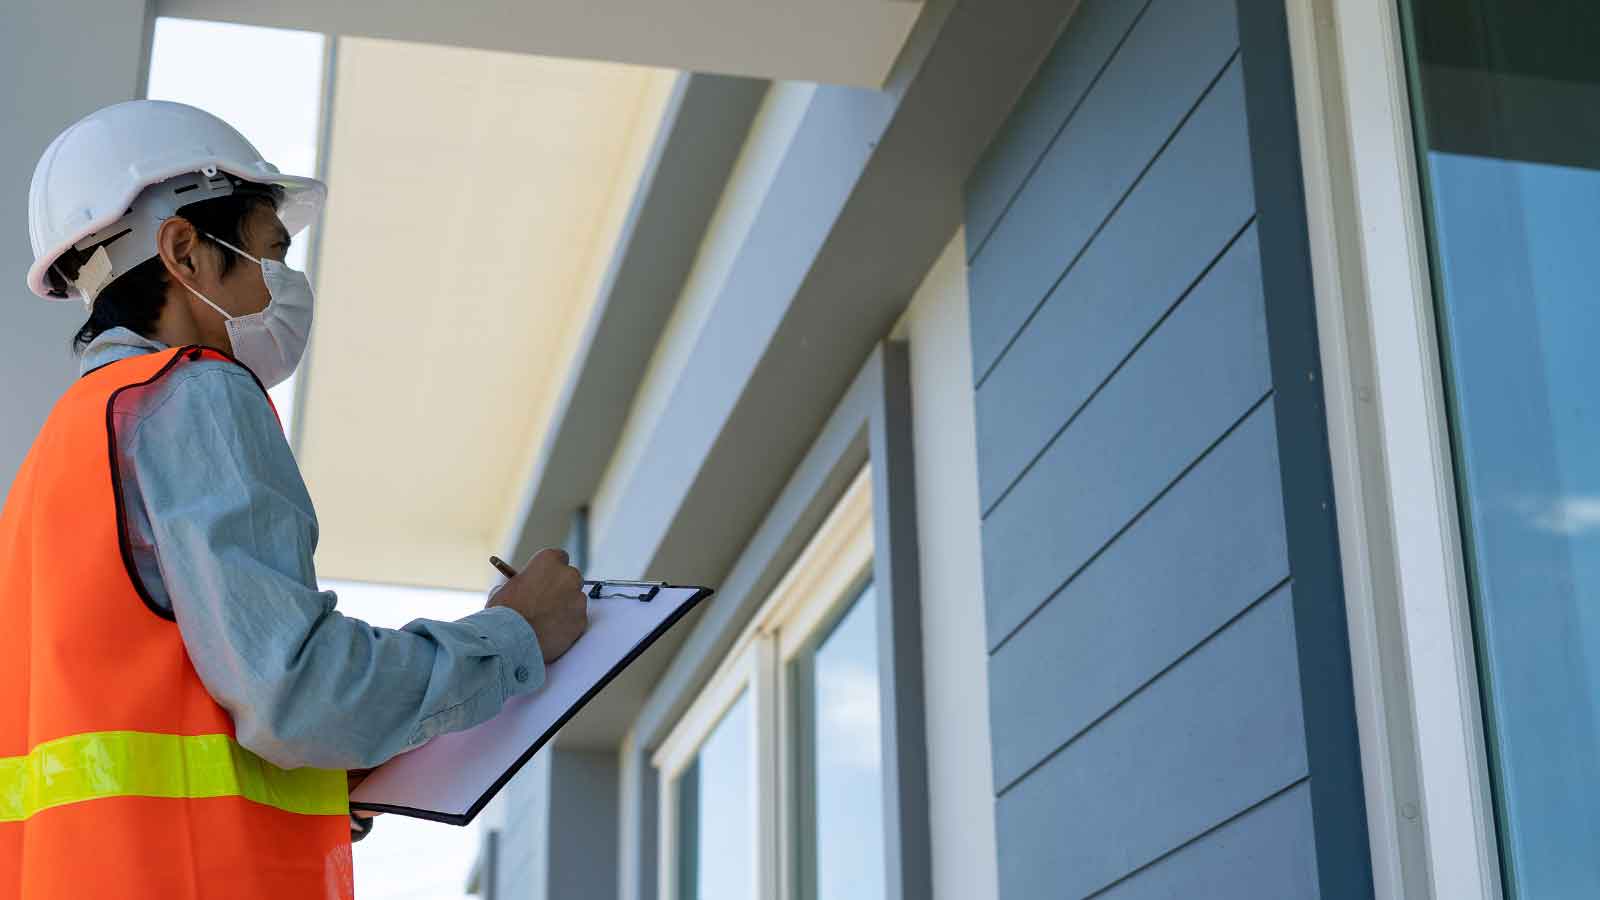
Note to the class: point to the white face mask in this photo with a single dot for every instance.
(271, 341)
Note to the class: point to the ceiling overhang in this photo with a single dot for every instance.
(852, 42)
(474, 207)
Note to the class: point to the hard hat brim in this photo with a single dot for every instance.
(302, 202)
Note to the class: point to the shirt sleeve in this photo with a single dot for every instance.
(234, 535)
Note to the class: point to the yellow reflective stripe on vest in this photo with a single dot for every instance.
(142, 764)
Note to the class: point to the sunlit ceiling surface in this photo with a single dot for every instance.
(475, 200)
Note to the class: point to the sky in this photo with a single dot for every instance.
(1518, 269)
(267, 83)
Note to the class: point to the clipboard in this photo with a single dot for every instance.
(452, 777)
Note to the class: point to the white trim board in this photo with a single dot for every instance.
(1430, 815)
(824, 579)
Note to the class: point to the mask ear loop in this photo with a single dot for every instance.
(207, 300)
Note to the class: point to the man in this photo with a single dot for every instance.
(179, 703)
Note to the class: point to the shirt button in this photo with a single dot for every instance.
(521, 673)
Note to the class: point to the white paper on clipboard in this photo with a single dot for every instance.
(452, 777)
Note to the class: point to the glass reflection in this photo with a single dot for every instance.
(1508, 122)
(716, 831)
(839, 771)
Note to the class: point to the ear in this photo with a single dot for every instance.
(178, 245)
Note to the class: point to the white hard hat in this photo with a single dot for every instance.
(116, 174)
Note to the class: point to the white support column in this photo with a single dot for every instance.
(60, 60)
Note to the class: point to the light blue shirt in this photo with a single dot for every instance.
(222, 533)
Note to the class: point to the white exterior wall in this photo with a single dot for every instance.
(59, 60)
(956, 665)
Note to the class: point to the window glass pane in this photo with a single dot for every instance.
(716, 828)
(839, 762)
(1508, 120)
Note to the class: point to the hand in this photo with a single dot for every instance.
(549, 594)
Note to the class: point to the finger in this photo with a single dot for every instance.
(554, 554)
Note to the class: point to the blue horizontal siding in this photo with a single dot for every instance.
(1213, 737)
(1265, 852)
(1098, 27)
(1197, 375)
(1155, 79)
(1170, 699)
(1182, 214)
(1213, 546)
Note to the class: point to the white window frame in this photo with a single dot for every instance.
(827, 576)
(1424, 757)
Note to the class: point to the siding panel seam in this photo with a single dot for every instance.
(1121, 364)
(1143, 686)
(1022, 184)
(1132, 520)
(1115, 208)
(1100, 891)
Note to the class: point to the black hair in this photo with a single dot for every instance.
(136, 298)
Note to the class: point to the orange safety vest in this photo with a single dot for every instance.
(119, 774)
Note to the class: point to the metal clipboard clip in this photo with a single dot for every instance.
(600, 590)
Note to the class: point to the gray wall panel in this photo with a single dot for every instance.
(1097, 29)
(523, 851)
(59, 60)
(897, 580)
(1173, 53)
(1216, 735)
(1201, 371)
(1210, 548)
(1171, 704)
(1174, 224)
(583, 833)
(1265, 852)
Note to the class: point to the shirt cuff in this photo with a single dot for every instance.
(505, 633)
